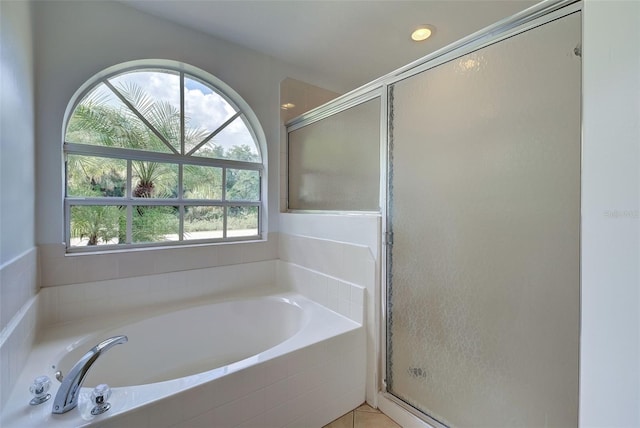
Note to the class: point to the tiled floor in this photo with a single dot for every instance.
(363, 417)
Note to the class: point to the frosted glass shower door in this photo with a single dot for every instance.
(484, 207)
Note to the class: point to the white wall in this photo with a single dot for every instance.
(17, 173)
(18, 254)
(75, 40)
(610, 342)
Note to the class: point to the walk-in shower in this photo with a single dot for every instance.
(484, 207)
(480, 151)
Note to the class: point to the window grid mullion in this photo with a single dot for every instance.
(129, 188)
(182, 129)
(129, 231)
(181, 223)
(225, 210)
(128, 235)
(225, 213)
(224, 184)
(106, 201)
(180, 182)
(67, 224)
(121, 153)
(180, 198)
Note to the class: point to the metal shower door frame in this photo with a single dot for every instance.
(535, 16)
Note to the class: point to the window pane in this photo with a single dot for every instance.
(103, 119)
(97, 225)
(243, 185)
(90, 122)
(90, 176)
(205, 112)
(156, 96)
(154, 180)
(155, 223)
(234, 142)
(242, 221)
(203, 222)
(202, 182)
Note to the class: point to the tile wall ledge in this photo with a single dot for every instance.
(371, 251)
(19, 317)
(353, 263)
(58, 268)
(18, 283)
(17, 258)
(16, 341)
(355, 229)
(347, 299)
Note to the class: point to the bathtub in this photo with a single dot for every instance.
(277, 360)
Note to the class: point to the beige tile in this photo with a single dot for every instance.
(345, 421)
(367, 408)
(373, 420)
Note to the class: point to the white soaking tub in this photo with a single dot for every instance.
(279, 360)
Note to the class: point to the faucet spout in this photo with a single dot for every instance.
(69, 391)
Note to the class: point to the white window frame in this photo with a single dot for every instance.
(242, 110)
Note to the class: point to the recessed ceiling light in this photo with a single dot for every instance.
(422, 33)
(287, 106)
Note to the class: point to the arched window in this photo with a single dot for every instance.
(160, 156)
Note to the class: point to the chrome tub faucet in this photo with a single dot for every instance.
(69, 391)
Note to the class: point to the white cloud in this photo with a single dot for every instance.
(160, 86)
(207, 111)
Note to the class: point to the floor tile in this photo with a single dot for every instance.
(345, 421)
(367, 408)
(373, 420)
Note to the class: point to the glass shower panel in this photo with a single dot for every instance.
(334, 164)
(484, 207)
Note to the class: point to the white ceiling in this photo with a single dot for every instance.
(351, 41)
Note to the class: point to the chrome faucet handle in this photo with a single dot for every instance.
(40, 390)
(67, 396)
(100, 397)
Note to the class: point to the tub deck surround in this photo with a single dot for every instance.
(306, 372)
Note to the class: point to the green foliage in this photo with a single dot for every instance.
(155, 179)
(202, 182)
(242, 153)
(243, 185)
(151, 224)
(91, 176)
(199, 218)
(96, 223)
(96, 177)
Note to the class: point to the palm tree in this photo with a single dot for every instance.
(95, 223)
(98, 120)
